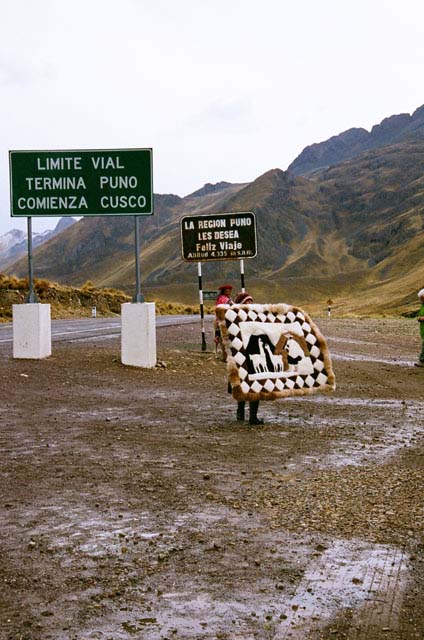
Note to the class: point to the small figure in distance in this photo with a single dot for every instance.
(420, 319)
(224, 294)
(245, 298)
(224, 297)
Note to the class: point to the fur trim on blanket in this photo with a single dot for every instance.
(273, 351)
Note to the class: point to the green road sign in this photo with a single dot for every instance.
(81, 183)
(223, 236)
(210, 295)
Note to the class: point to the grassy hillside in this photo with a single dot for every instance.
(353, 232)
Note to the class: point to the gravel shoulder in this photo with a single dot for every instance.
(133, 505)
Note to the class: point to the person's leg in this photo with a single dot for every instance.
(253, 413)
(422, 354)
(240, 410)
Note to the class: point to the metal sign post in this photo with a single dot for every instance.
(32, 297)
(202, 315)
(138, 296)
(222, 236)
(242, 275)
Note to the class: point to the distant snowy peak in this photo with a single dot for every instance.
(42, 236)
(63, 224)
(13, 244)
(9, 239)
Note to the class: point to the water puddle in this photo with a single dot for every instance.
(203, 588)
(379, 428)
(349, 453)
(366, 358)
(383, 403)
(305, 587)
(351, 341)
(348, 576)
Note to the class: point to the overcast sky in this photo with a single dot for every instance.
(221, 89)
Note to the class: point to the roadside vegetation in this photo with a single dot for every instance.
(75, 302)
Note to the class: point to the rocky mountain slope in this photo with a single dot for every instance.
(354, 142)
(353, 232)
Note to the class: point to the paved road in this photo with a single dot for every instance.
(83, 329)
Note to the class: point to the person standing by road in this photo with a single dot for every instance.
(420, 319)
(224, 297)
(224, 294)
(245, 298)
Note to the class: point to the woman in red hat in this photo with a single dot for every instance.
(224, 294)
(224, 297)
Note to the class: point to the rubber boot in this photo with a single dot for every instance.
(240, 411)
(253, 413)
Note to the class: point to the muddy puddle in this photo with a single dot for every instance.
(300, 586)
(366, 431)
(335, 355)
(134, 505)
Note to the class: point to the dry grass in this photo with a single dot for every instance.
(349, 299)
(76, 302)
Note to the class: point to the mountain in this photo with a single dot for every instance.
(63, 224)
(352, 231)
(102, 248)
(354, 142)
(10, 239)
(14, 244)
(210, 188)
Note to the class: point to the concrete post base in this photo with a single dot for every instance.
(138, 334)
(32, 336)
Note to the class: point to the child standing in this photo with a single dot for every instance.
(420, 319)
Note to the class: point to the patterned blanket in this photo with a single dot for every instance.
(273, 351)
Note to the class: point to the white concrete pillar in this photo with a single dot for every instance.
(32, 337)
(138, 334)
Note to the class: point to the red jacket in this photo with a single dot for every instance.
(222, 299)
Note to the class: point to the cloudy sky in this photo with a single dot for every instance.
(221, 89)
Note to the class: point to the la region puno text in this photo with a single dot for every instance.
(189, 225)
(68, 163)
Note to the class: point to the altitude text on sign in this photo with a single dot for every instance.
(81, 183)
(227, 236)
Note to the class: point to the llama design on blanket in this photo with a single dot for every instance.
(273, 351)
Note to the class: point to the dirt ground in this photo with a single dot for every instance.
(133, 505)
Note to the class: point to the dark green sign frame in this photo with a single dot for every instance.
(76, 183)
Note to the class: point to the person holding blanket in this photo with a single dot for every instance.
(245, 298)
(420, 319)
